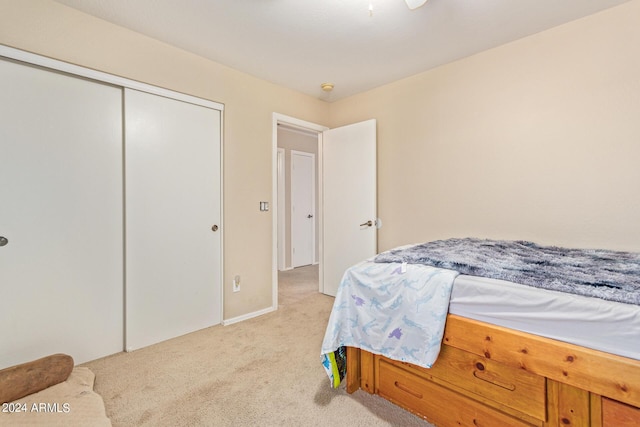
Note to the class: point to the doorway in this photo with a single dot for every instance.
(349, 152)
(297, 202)
(291, 134)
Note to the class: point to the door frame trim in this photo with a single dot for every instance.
(293, 122)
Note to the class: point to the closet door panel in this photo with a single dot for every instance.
(173, 256)
(61, 201)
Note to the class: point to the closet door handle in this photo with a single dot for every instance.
(3, 241)
(368, 224)
(214, 228)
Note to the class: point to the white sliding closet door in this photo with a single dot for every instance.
(61, 268)
(173, 256)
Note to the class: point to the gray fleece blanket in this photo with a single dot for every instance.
(610, 275)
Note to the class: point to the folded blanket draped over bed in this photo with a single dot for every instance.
(610, 275)
(395, 310)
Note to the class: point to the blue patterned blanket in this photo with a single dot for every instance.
(610, 275)
(395, 310)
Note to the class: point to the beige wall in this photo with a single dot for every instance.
(54, 30)
(538, 139)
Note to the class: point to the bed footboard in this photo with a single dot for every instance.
(487, 375)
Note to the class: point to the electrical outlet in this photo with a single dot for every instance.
(236, 284)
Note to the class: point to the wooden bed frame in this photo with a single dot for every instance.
(490, 376)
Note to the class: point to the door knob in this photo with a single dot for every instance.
(309, 216)
(3, 241)
(368, 224)
(214, 228)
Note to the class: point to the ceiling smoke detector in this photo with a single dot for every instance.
(327, 87)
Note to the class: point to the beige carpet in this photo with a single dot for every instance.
(262, 372)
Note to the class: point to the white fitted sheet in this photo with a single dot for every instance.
(589, 322)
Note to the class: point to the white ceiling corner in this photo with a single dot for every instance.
(302, 43)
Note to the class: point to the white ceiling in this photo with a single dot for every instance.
(303, 43)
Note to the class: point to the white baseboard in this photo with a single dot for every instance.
(248, 316)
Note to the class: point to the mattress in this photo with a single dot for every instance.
(593, 323)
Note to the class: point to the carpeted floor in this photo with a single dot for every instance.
(261, 372)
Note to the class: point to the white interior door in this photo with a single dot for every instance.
(281, 215)
(349, 234)
(61, 268)
(303, 219)
(173, 257)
